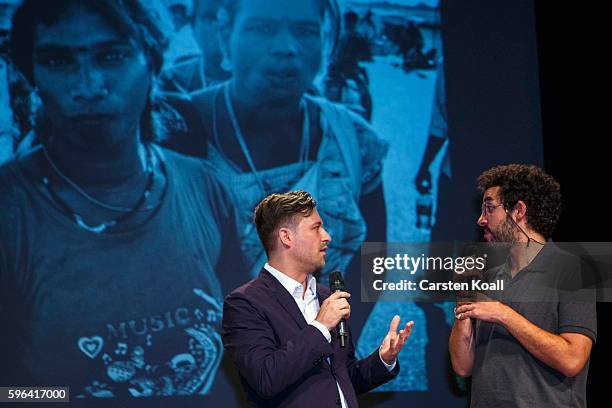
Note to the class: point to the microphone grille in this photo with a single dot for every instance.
(335, 281)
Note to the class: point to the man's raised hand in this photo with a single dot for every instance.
(394, 340)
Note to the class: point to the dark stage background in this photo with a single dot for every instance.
(575, 150)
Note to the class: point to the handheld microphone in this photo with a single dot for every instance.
(337, 284)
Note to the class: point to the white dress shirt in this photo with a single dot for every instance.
(308, 303)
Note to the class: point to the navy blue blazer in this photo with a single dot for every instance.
(282, 360)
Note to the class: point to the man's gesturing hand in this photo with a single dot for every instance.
(333, 309)
(394, 341)
(494, 312)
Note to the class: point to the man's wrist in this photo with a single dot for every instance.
(463, 326)
(324, 331)
(505, 316)
(389, 367)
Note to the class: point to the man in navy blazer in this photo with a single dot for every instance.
(280, 328)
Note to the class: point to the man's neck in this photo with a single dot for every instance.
(291, 270)
(267, 119)
(98, 165)
(523, 253)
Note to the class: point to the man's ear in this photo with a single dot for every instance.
(286, 236)
(520, 210)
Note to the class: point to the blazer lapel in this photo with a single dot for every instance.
(284, 298)
(322, 293)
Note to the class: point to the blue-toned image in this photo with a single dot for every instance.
(136, 139)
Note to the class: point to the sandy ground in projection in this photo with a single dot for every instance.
(402, 109)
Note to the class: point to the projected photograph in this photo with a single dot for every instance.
(137, 138)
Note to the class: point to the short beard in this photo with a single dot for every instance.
(504, 235)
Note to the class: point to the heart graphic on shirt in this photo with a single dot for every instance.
(91, 346)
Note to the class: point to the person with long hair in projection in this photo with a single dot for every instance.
(111, 247)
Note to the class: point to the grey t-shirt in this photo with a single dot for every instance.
(505, 374)
(127, 314)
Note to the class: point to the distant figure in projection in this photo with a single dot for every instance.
(347, 81)
(266, 134)
(367, 27)
(182, 44)
(189, 76)
(109, 244)
(206, 31)
(437, 141)
(412, 49)
(183, 69)
(7, 128)
(8, 131)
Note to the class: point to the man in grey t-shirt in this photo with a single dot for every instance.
(530, 345)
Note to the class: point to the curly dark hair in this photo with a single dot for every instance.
(132, 18)
(278, 210)
(539, 191)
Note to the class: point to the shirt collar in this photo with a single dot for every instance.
(539, 263)
(543, 259)
(294, 287)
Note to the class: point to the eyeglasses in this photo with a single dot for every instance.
(488, 208)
